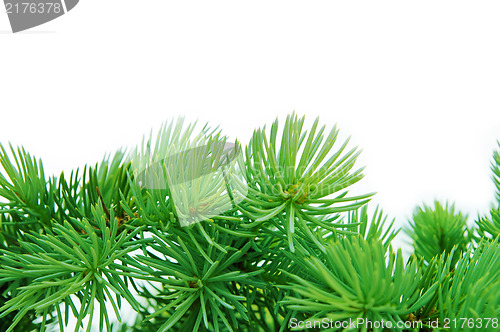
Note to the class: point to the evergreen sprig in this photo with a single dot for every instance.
(69, 261)
(199, 234)
(374, 228)
(358, 279)
(473, 291)
(198, 273)
(437, 230)
(489, 227)
(29, 197)
(291, 179)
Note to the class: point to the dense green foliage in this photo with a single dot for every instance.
(294, 252)
(439, 230)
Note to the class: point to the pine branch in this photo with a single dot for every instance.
(198, 236)
(293, 178)
(438, 230)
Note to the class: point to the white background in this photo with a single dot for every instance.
(415, 83)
